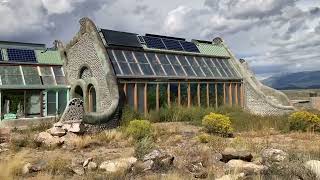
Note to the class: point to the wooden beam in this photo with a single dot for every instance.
(135, 97)
(230, 94)
(179, 94)
(25, 103)
(236, 91)
(145, 102)
(198, 94)
(157, 97)
(189, 95)
(216, 94)
(224, 93)
(125, 91)
(208, 95)
(242, 94)
(41, 104)
(168, 95)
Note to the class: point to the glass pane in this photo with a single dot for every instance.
(220, 95)
(12, 102)
(62, 101)
(140, 57)
(179, 70)
(51, 103)
(125, 68)
(141, 98)
(158, 69)
(146, 68)
(189, 70)
(212, 95)
(119, 56)
(135, 69)
(60, 79)
(213, 67)
(218, 65)
(47, 76)
(194, 94)
(230, 67)
(184, 94)
(129, 57)
(130, 95)
(152, 58)
(11, 75)
(163, 98)
(169, 70)
(152, 99)
(31, 75)
(203, 94)
(33, 103)
(224, 67)
(183, 61)
(174, 93)
(204, 67)
(116, 67)
(111, 56)
(173, 59)
(163, 59)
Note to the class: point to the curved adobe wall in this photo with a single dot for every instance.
(260, 99)
(86, 63)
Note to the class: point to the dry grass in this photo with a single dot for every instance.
(12, 168)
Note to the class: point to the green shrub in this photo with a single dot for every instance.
(217, 123)
(203, 138)
(143, 147)
(304, 121)
(139, 129)
(128, 115)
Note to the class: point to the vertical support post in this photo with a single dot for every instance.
(230, 94)
(168, 95)
(179, 94)
(189, 95)
(57, 102)
(41, 104)
(242, 94)
(125, 91)
(145, 98)
(236, 91)
(135, 96)
(157, 97)
(224, 93)
(24, 103)
(198, 94)
(208, 95)
(0, 105)
(216, 94)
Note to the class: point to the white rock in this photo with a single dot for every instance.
(118, 164)
(274, 157)
(48, 140)
(314, 166)
(74, 127)
(26, 168)
(57, 131)
(86, 162)
(92, 166)
(78, 170)
(243, 166)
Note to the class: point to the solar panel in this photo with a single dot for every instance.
(121, 38)
(172, 44)
(1, 55)
(189, 46)
(21, 55)
(153, 42)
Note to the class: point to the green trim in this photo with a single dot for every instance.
(51, 87)
(213, 50)
(49, 57)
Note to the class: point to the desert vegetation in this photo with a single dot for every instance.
(174, 143)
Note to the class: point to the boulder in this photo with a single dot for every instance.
(74, 127)
(38, 166)
(92, 166)
(118, 164)
(245, 167)
(314, 167)
(155, 154)
(57, 131)
(231, 153)
(197, 170)
(48, 140)
(157, 160)
(274, 158)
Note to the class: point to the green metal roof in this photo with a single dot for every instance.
(49, 57)
(212, 49)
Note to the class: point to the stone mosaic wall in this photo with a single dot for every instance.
(74, 112)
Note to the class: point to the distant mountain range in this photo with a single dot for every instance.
(300, 80)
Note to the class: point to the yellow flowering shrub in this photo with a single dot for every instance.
(139, 129)
(304, 121)
(217, 123)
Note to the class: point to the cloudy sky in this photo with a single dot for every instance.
(274, 36)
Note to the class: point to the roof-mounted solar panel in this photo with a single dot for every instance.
(141, 40)
(166, 37)
(153, 42)
(189, 46)
(116, 38)
(1, 58)
(21, 55)
(172, 44)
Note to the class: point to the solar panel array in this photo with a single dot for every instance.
(147, 64)
(21, 55)
(170, 44)
(29, 75)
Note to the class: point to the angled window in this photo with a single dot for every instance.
(59, 76)
(47, 76)
(31, 75)
(11, 75)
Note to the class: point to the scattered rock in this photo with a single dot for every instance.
(118, 164)
(86, 162)
(157, 160)
(58, 124)
(245, 167)
(147, 165)
(92, 166)
(74, 127)
(232, 177)
(313, 166)
(274, 158)
(78, 170)
(197, 170)
(57, 131)
(38, 166)
(48, 140)
(230, 153)
(155, 154)
(26, 168)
